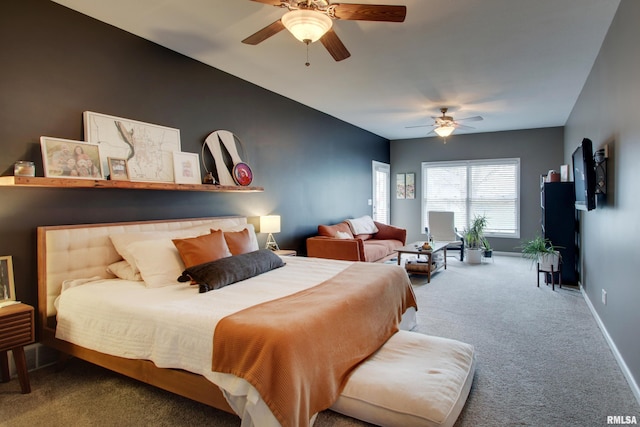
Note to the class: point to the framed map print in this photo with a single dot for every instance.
(147, 148)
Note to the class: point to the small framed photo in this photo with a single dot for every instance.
(186, 168)
(118, 169)
(7, 287)
(65, 158)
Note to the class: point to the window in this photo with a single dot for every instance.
(475, 187)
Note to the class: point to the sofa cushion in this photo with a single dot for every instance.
(375, 250)
(332, 230)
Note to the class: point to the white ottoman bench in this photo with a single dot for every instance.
(413, 380)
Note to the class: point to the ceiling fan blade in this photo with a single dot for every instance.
(459, 126)
(471, 119)
(418, 126)
(334, 45)
(271, 2)
(370, 12)
(265, 33)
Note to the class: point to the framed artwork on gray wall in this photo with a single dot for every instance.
(410, 186)
(148, 148)
(401, 186)
(186, 168)
(65, 158)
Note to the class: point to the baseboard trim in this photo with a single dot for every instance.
(621, 363)
(37, 356)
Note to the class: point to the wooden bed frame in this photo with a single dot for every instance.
(56, 246)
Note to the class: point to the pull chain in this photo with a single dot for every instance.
(307, 42)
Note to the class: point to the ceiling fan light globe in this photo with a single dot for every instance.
(307, 26)
(444, 131)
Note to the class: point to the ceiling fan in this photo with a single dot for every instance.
(312, 20)
(445, 125)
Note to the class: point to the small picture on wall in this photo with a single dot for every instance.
(410, 186)
(65, 158)
(118, 169)
(400, 186)
(186, 168)
(7, 287)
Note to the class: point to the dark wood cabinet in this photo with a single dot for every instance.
(557, 200)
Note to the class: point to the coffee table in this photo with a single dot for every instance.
(415, 248)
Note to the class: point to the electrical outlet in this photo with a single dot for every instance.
(604, 297)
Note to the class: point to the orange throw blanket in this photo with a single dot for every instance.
(298, 351)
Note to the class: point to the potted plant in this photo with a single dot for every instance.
(540, 250)
(474, 239)
(486, 247)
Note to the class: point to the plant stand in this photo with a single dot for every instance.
(550, 271)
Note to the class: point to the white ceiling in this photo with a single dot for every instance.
(518, 63)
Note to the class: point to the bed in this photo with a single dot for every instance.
(122, 324)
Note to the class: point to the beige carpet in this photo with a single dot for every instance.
(542, 361)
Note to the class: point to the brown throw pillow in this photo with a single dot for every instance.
(239, 242)
(201, 249)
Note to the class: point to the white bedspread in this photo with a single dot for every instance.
(173, 326)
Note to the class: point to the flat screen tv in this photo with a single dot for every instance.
(584, 176)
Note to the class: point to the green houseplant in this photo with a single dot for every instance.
(474, 239)
(540, 250)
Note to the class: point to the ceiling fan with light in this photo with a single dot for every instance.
(445, 125)
(312, 20)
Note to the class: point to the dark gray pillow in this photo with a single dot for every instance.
(226, 271)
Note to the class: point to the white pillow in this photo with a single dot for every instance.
(123, 270)
(362, 225)
(122, 241)
(342, 235)
(158, 260)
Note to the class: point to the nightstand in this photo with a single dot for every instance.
(285, 252)
(16, 331)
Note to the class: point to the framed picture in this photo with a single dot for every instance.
(65, 158)
(242, 174)
(7, 287)
(410, 186)
(186, 168)
(400, 186)
(118, 169)
(148, 148)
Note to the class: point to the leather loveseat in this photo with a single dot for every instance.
(360, 239)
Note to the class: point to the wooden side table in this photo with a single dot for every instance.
(16, 331)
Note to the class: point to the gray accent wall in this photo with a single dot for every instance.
(57, 63)
(608, 112)
(539, 151)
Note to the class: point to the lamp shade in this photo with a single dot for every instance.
(444, 131)
(270, 224)
(306, 25)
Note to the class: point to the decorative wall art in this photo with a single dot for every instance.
(186, 168)
(65, 158)
(401, 186)
(233, 172)
(7, 287)
(118, 169)
(147, 148)
(410, 186)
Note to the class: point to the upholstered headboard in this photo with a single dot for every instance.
(83, 251)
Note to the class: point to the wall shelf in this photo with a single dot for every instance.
(24, 181)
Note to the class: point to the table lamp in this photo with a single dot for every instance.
(270, 224)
